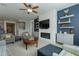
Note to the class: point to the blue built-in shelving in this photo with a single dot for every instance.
(72, 20)
(67, 21)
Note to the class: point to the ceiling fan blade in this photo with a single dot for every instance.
(35, 7)
(29, 6)
(22, 9)
(34, 11)
(25, 4)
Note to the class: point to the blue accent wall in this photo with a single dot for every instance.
(74, 21)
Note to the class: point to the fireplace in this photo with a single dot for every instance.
(45, 35)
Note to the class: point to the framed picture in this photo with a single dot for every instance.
(21, 25)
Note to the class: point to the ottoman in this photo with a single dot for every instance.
(48, 50)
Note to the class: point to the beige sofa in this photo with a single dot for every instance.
(68, 50)
(8, 37)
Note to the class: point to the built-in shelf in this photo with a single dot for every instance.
(68, 16)
(36, 24)
(67, 27)
(64, 22)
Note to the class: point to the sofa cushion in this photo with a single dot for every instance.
(71, 48)
(7, 36)
(63, 53)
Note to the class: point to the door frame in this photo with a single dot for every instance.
(5, 22)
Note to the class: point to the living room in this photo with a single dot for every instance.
(39, 30)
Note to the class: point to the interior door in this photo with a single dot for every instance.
(10, 28)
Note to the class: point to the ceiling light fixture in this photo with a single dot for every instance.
(29, 10)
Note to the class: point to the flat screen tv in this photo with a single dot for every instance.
(44, 24)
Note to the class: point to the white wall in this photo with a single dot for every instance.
(28, 28)
(52, 15)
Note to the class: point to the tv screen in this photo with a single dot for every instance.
(44, 24)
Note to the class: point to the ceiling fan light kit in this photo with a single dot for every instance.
(29, 10)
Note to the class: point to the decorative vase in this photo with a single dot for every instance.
(66, 12)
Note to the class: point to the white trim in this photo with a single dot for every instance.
(68, 16)
(9, 22)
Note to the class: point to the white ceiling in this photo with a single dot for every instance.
(12, 9)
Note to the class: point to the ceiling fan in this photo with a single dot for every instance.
(30, 8)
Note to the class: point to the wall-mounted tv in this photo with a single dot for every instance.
(44, 24)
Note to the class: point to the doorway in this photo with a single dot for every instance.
(10, 28)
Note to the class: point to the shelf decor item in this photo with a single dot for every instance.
(66, 12)
(64, 25)
(71, 31)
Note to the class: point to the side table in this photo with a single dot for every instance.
(17, 38)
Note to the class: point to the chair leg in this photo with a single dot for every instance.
(36, 44)
(26, 46)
